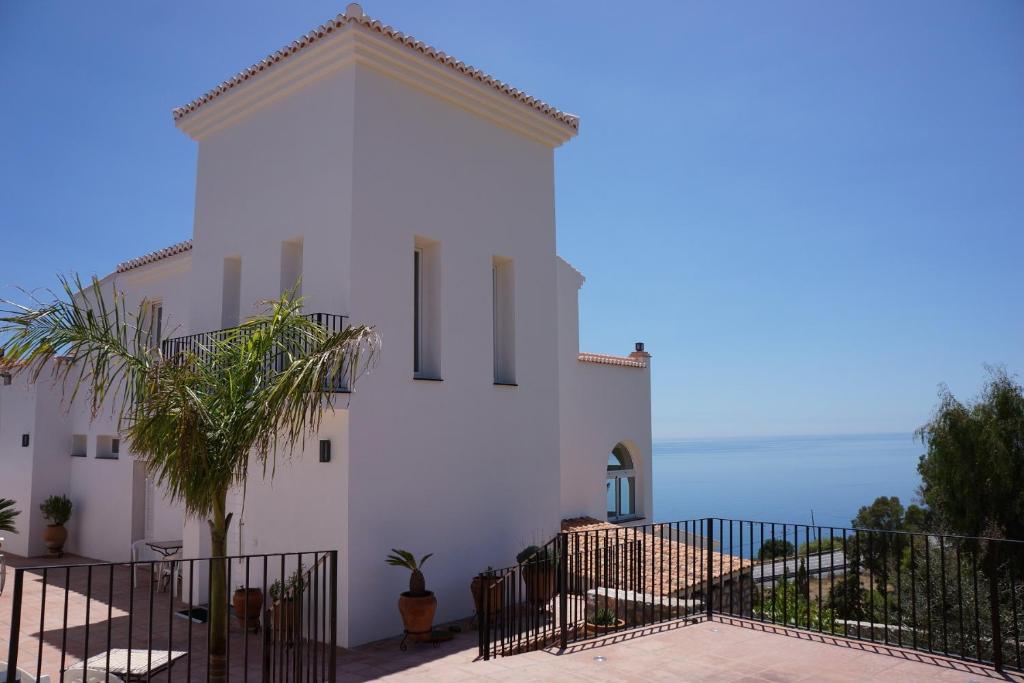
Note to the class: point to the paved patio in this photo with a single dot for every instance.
(720, 650)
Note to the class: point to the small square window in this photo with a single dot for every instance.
(107, 447)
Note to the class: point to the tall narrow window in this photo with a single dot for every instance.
(291, 265)
(417, 308)
(232, 291)
(503, 319)
(426, 309)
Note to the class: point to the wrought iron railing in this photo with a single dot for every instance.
(954, 596)
(202, 345)
(143, 619)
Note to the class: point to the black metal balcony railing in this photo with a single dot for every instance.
(955, 596)
(202, 345)
(145, 619)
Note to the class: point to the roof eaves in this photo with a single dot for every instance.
(354, 16)
(153, 256)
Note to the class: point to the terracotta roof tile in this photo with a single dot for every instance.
(354, 16)
(672, 565)
(166, 252)
(607, 359)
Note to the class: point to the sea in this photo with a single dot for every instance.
(822, 480)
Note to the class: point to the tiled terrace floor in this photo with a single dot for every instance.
(720, 650)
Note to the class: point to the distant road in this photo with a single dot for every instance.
(816, 564)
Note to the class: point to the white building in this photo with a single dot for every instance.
(416, 194)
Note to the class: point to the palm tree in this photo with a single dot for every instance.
(199, 417)
(7, 515)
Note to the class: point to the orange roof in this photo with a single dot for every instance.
(166, 252)
(354, 16)
(607, 359)
(670, 566)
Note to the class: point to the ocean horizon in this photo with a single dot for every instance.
(822, 479)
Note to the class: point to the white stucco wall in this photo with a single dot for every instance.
(461, 468)
(600, 406)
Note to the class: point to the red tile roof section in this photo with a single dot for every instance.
(153, 256)
(354, 15)
(662, 550)
(606, 359)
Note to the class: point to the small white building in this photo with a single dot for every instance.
(414, 193)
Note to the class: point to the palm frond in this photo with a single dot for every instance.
(7, 515)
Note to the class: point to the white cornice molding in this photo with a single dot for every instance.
(355, 44)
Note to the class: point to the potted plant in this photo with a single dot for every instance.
(490, 582)
(284, 607)
(416, 605)
(247, 603)
(539, 565)
(603, 621)
(57, 511)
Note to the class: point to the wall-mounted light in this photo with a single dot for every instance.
(325, 450)
(639, 347)
(5, 378)
(24, 440)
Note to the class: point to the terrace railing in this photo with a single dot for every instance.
(143, 620)
(954, 596)
(203, 344)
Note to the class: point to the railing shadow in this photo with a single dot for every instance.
(895, 652)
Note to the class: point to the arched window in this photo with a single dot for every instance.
(621, 485)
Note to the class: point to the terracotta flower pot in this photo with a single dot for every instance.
(493, 595)
(247, 603)
(601, 629)
(540, 582)
(55, 535)
(417, 614)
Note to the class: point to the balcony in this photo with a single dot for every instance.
(200, 345)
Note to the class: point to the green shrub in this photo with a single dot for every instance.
(775, 547)
(56, 509)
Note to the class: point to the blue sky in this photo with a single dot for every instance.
(812, 213)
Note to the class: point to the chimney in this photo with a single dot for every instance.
(639, 353)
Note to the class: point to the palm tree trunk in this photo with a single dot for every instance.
(218, 591)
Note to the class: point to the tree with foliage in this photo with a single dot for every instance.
(200, 417)
(775, 547)
(973, 472)
(875, 545)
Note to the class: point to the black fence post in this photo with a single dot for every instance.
(332, 672)
(484, 618)
(12, 649)
(710, 567)
(563, 583)
(993, 598)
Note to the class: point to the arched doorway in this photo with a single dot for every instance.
(621, 485)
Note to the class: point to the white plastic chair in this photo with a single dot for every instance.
(91, 676)
(23, 676)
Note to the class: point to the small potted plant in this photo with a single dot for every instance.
(539, 573)
(57, 511)
(247, 603)
(416, 605)
(491, 583)
(284, 607)
(603, 621)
